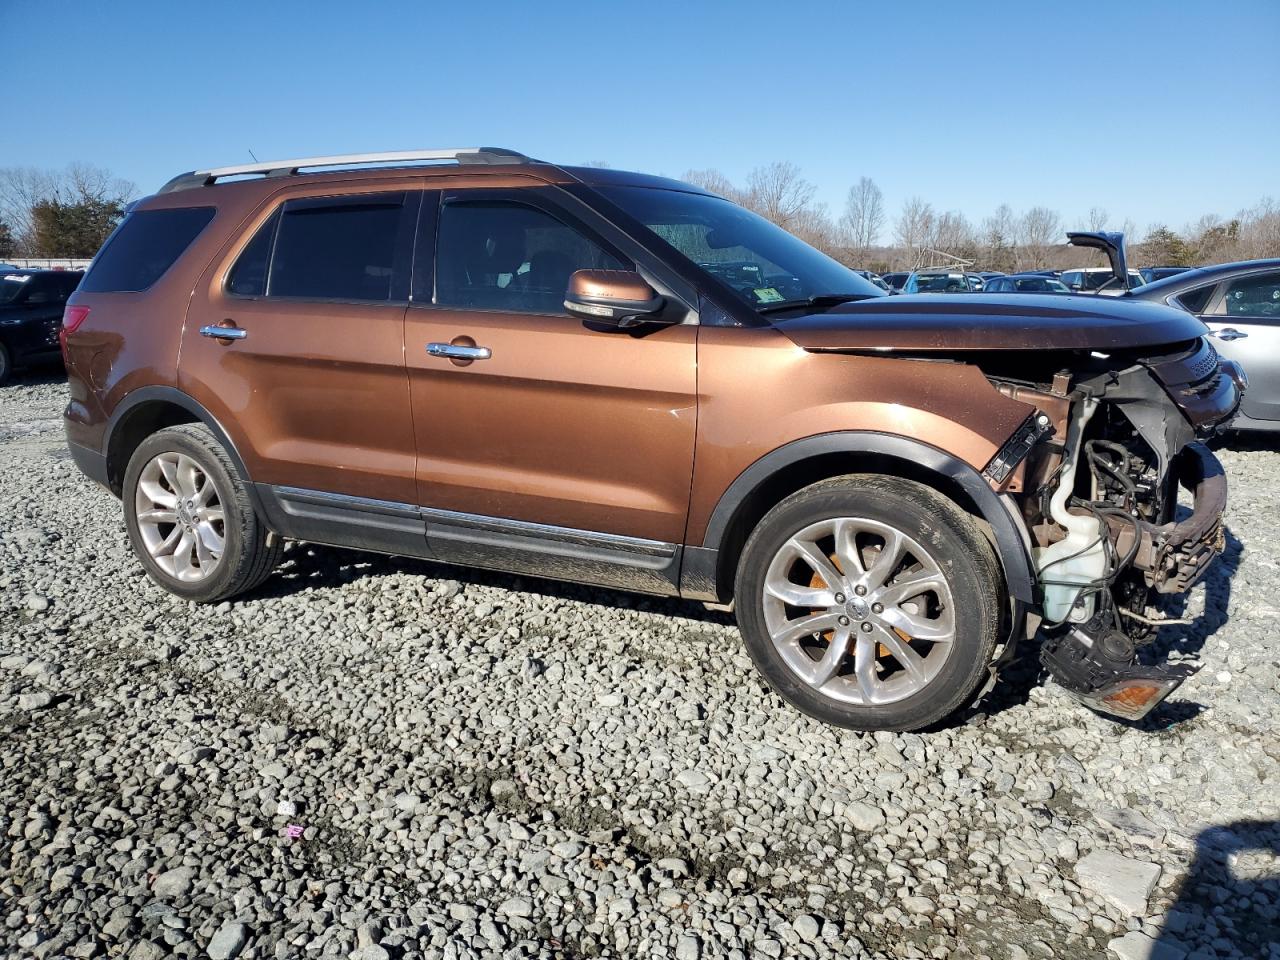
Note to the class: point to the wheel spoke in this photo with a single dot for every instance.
(182, 567)
(847, 549)
(166, 546)
(831, 661)
(911, 585)
(213, 514)
(189, 477)
(886, 560)
(209, 539)
(911, 661)
(169, 468)
(205, 493)
(802, 627)
(159, 515)
(157, 494)
(798, 596)
(864, 667)
(818, 561)
(917, 627)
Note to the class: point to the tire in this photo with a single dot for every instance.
(865, 661)
(6, 365)
(176, 545)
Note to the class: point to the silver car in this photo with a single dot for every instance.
(1240, 303)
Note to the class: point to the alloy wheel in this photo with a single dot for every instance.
(180, 517)
(859, 611)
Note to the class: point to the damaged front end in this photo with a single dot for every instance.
(1097, 472)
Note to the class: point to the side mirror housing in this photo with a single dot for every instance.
(619, 297)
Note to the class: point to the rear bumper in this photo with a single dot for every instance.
(91, 463)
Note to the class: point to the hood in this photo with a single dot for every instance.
(975, 321)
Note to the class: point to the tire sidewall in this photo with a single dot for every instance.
(966, 564)
(6, 365)
(233, 524)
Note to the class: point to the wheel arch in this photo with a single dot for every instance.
(709, 569)
(149, 409)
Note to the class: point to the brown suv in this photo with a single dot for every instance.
(626, 381)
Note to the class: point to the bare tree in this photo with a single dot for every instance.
(713, 181)
(777, 192)
(999, 240)
(1097, 219)
(914, 228)
(863, 216)
(22, 189)
(1039, 232)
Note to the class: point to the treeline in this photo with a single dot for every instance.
(59, 213)
(864, 235)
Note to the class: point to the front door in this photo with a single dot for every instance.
(310, 380)
(562, 449)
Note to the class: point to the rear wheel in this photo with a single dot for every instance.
(6, 365)
(870, 602)
(190, 519)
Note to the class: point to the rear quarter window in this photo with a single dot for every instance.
(143, 248)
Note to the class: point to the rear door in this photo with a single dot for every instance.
(310, 381)
(1244, 315)
(567, 450)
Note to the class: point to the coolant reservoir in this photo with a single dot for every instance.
(1079, 559)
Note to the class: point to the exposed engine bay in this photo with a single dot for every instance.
(1096, 472)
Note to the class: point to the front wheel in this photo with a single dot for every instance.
(870, 602)
(190, 519)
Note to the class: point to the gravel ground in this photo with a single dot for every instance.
(377, 757)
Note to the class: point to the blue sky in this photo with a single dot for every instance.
(1155, 112)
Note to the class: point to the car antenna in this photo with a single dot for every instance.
(254, 155)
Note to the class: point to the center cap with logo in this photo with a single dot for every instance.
(858, 608)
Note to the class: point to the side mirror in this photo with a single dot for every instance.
(619, 297)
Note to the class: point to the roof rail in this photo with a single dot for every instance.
(287, 168)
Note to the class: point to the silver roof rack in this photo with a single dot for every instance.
(286, 168)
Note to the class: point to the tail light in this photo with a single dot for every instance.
(72, 317)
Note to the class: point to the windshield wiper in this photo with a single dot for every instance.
(820, 300)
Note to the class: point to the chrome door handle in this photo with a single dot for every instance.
(1228, 333)
(223, 333)
(455, 352)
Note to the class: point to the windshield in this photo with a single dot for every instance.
(11, 285)
(760, 262)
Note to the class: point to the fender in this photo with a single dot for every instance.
(1011, 539)
(172, 395)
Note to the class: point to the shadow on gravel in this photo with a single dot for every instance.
(40, 375)
(314, 566)
(1247, 441)
(1229, 901)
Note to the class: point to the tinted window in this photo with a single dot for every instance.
(248, 277)
(336, 248)
(45, 288)
(1196, 300)
(504, 255)
(1256, 296)
(143, 247)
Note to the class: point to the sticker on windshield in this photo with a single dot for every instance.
(767, 295)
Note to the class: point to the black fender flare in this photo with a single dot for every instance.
(1012, 542)
(172, 395)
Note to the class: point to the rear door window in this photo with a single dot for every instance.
(145, 245)
(341, 248)
(1256, 297)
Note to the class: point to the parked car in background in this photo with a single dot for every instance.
(1152, 274)
(874, 278)
(1240, 303)
(939, 281)
(1034, 283)
(990, 274)
(9, 268)
(31, 305)
(1100, 280)
(895, 280)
